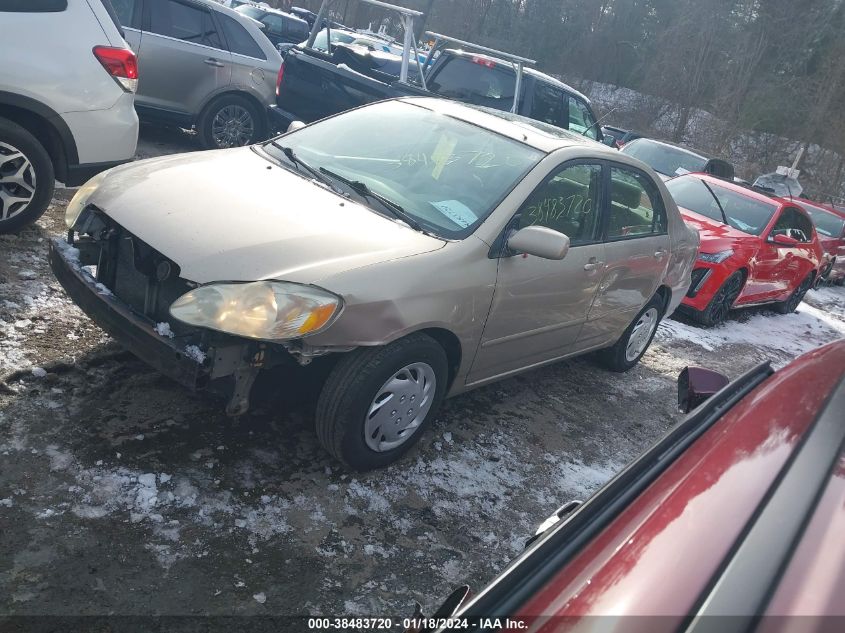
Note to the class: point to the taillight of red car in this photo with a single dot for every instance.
(121, 64)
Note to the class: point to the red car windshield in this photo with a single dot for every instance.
(709, 199)
(827, 223)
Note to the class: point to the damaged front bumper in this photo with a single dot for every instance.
(183, 361)
(189, 359)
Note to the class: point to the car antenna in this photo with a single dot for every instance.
(599, 120)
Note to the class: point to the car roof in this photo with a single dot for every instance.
(528, 71)
(537, 134)
(673, 146)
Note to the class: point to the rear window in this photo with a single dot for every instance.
(665, 159)
(475, 80)
(32, 6)
(827, 223)
(239, 39)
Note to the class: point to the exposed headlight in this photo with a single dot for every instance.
(80, 199)
(715, 258)
(272, 310)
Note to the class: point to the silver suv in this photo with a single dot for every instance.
(66, 103)
(202, 65)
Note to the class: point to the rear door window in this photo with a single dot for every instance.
(475, 80)
(550, 105)
(239, 39)
(183, 21)
(32, 6)
(581, 119)
(636, 208)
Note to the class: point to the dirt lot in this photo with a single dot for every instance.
(121, 493)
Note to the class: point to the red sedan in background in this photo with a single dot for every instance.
(739, 510)
(830, 225)
(755, 249)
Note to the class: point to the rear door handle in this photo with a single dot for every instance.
(660, 254)
(593, 264)
(213, 62)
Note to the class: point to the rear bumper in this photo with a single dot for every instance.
(135, 333)
(278, 120)
(79, 174)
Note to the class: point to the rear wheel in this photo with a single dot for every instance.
(634, 342)
(27, 179)
(790, 305)
(230, 121)
(377, 401)
(721, 303)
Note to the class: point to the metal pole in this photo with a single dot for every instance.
(318, 24)
(517, 88)
(408, 26)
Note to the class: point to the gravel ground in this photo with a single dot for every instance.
(121, 493)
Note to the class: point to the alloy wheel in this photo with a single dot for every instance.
(724, 299)
(798, 295)
(400, 407)
(641, 334)
(17, 181)
(232, 126)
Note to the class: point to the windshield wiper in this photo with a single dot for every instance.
(719, 204)
(364, 191)
(298, 162)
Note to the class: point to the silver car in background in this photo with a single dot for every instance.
(395, 254)
(202, 65)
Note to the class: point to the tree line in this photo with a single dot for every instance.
(775, 66)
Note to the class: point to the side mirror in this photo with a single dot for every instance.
(295, 125)
(696, 384)
(609, 140)
(540, 241)
(784, 240)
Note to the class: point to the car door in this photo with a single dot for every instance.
(182, 58)
(540, 305)
(779, 268)
(636, 254)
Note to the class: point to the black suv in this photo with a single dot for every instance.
(279, 27)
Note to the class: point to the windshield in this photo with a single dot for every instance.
(743, 213)
(664, 159)
(337, 37)
(251, 12)
(446, 174)
(827, 223)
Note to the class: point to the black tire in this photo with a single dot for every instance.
(616, 358)
(235, 108)
(354, 384)
(790, 305)
(14, 212)
(721, 303)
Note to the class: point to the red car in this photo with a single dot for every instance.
(830, 225)
(754, 248)
(738, 510)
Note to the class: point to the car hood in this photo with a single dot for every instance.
(233, 215)
(714, 234)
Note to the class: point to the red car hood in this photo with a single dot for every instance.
(714, 234)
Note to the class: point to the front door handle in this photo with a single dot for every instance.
(213, 62)
(593, 264)
(660, 254)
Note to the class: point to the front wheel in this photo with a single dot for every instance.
(790, 305)
(377, 401)
(230, 121)
(721, 303)
(634, 342)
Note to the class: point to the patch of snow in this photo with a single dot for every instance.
(195, 353)
(163, 329)
(39, 372)
(260, 598)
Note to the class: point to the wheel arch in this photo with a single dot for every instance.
(46, 126)
(451, 344)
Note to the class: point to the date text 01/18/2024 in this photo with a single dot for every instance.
(411, 625)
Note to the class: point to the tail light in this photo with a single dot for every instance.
(489, 63)
(121, 64)
(279, 78)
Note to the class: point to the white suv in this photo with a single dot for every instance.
(67, 84)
